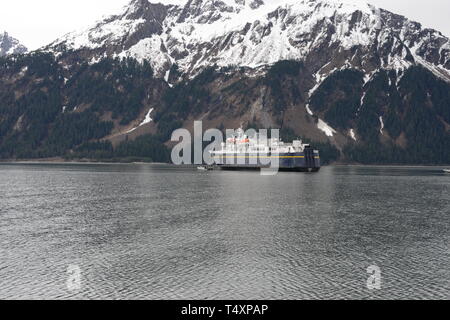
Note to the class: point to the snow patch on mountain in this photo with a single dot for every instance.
(150, 49)
(101, 35)
(147, 119)
(381, 124)
(352, 134)
(323, 126)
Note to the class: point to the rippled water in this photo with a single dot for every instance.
(160, 232)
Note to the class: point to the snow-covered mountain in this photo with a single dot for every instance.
(328, 34)
(363, 84)
(9, 45)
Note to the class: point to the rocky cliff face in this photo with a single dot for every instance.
(9, 45)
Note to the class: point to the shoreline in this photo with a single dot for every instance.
(58, 160)
(78, 161)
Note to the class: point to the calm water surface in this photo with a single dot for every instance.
(160, 232)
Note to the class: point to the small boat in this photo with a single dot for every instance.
(207, 168)
(447, 170)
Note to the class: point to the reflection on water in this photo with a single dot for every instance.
(162, 232)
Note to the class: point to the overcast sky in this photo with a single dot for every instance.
(38, 22)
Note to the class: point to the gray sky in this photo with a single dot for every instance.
(36, 23)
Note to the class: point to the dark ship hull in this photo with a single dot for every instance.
(307, 161)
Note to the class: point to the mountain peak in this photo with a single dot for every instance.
(10, 45)
(195, 34)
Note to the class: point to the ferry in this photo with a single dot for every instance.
(241, 152)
